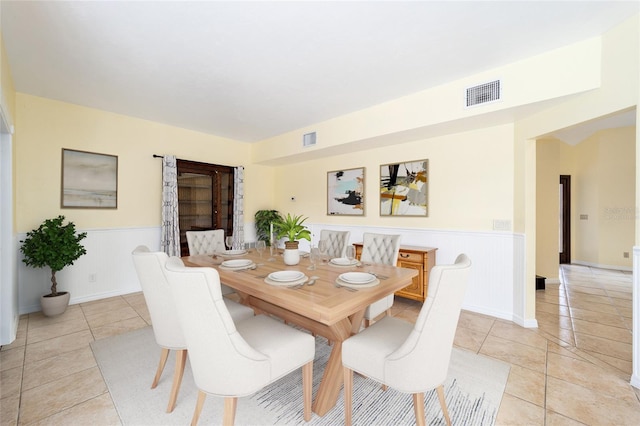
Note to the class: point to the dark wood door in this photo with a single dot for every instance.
(564, 225)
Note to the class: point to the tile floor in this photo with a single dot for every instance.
(574, 369)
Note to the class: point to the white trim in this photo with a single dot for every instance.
(601, 266)
(635, 361)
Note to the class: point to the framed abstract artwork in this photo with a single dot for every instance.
(403, 189)
(89, 180)
(345, 192)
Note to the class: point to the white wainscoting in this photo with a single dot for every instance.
(496, 286)
(108, 259)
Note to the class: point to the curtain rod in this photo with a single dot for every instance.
(157, 156)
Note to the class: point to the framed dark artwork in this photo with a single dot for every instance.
(345, 192)
(89, 180)
(403, 188)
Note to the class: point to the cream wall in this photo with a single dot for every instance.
(7, 91)
(605, 190)
(602, 170)
(467, 188)
(45, 126)
(440, 110)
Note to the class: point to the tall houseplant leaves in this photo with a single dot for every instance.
(54, 245)
(264, 219)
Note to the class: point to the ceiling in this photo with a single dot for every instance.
(253, 70)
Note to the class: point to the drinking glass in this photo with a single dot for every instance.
(323, 247)
(273, 249)
(229, 242)
(314, 255)
(351, 253)
(260, 246)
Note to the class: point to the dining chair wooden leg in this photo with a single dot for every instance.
(443, 404)
(164, 354)
(229, 416)
(348, 396)
(181, 360)
(198, 410)
(418, 408)
(367, 323)
(307, 384)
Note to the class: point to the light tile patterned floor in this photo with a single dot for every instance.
(574, 369)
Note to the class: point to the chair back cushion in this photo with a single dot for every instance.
(336, 242)
(431, 339)
(380, 248)
(205, 242)
(223, 363)
(155, 288)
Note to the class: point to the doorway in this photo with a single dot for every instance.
(564, 219)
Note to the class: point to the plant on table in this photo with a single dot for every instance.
(292, 227)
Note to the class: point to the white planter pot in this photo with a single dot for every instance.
(291, 256)
(52, 306)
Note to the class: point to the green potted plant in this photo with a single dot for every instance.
(264, 221)
(54, 245)
(293, 229)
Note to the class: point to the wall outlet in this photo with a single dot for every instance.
(501, 225)
(92, 278)
(584, 217)
(625, 254)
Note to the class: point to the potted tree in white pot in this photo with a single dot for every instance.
(292, 227)
(54, 245)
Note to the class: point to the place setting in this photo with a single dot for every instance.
(238, 265)
(357, 280)
(286, 278)
(348, 261)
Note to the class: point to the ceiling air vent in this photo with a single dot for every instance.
(483, 93)
(309, 139)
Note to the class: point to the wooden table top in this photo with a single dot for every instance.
(322, 302)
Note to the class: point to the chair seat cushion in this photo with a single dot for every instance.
(287, 348)
(238, 311)
(379, 307)
(366, 351)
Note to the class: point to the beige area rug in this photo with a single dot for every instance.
(473, 390)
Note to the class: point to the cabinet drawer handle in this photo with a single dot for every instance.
(404, 255)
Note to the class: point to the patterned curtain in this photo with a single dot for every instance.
(170, 240)
(238, 204)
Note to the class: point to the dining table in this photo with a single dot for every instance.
(323, 308)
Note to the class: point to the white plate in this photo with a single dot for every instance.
(233, 252)
(236, 263)
(343, 261)
(357, 277)
(286, 276)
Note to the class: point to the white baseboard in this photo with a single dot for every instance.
(602, 266)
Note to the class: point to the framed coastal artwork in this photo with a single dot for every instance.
(345, 192)
(89, 180)
(403, 188)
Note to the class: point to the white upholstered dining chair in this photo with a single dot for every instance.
(411, 358)
(207, 242)
(234, 359)
(379, 248)
(336, 241)
(164, 320)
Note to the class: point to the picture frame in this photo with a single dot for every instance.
(345, 192)
(403, 188)
(89, 180)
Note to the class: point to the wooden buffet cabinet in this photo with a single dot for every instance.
(415, 257)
